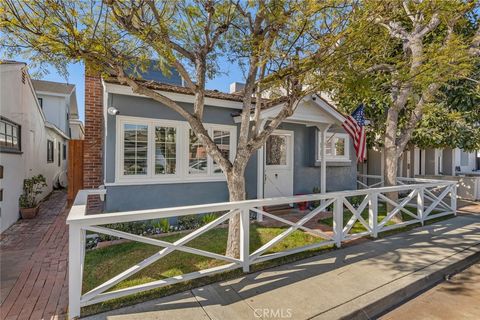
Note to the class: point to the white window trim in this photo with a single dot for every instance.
(182, 145)
(331, 158)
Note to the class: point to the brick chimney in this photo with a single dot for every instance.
(94, 122)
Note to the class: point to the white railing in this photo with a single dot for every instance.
(421, 200)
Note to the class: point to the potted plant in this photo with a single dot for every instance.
(28, 200)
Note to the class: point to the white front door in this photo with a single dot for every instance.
(278, 181)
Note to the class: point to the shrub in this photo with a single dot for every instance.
(31, 189)
(209, 217)
(356, 200)
(188, 222)
(164, 225)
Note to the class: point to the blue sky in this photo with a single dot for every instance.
(77, 76)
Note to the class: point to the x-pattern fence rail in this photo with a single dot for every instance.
(418, 199)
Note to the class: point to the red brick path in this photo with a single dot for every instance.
(34, 264)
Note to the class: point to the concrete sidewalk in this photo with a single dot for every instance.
(358, 281)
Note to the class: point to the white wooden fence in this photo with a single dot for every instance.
(420, 200)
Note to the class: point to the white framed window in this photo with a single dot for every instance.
(156, 151)
(337, 147)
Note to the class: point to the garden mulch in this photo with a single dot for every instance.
(33, 264)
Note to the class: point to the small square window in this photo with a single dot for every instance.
(336, 147)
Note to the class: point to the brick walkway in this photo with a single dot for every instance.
(33, 264)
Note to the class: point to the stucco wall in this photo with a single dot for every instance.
(18, 104)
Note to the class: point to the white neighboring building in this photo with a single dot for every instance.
(59, 104)
(29, 143)
(448, 164)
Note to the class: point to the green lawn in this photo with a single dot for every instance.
(103, 264)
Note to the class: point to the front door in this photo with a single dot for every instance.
(278, 181)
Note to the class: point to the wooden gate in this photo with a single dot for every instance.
(75, 168)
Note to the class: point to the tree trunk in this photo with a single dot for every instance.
(236, 191)
(391, 160)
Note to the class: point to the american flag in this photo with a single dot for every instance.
(355, 127)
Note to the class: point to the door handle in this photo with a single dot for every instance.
(276, 175)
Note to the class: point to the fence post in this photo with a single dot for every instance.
(338, 221)
(373, 213)
(245, 239)
(420, 204)
(453, 199)
(76, 251)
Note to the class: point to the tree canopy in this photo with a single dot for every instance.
(384, 71)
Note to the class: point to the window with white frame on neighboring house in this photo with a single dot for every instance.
(50, 146)
(10, 136)
(167, 150)
(337, 147)
(64, 151)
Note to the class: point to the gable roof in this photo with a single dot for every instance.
(53, 87)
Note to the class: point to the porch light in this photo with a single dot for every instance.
(113, 111)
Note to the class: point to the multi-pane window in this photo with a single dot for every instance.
(9, 136)
(222, 140)
(168, 150)
(165, 150)
(197, 155)
(336, 147)
(50, 146)
(135, 149)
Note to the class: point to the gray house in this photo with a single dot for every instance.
(150, 158)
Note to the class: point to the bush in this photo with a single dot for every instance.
(209, 217)
(31, 189)
(188, 222)
(164, 225)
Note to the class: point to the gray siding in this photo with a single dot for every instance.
(307, 175)
(134, 197)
